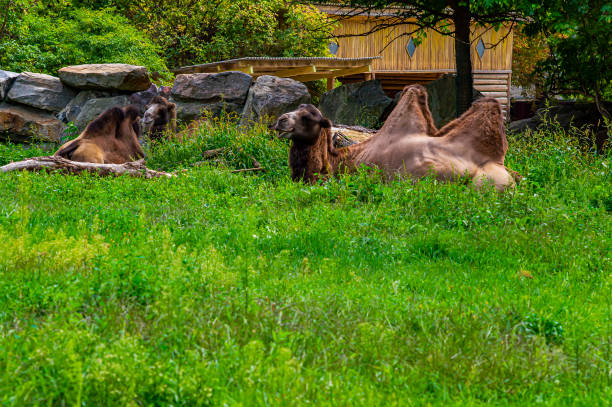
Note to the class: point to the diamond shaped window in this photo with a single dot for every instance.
(410, 47)
(333, 48)
(480, 48)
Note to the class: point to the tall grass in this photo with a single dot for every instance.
(215, 288)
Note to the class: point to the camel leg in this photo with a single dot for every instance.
(411, 115)
(494, 174)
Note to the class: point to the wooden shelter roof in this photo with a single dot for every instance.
(303, 69)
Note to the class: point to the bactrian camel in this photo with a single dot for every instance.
(471, 147)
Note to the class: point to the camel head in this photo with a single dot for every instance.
(312, 149)
(302, 125)
(158, 116)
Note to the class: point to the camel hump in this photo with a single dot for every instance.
(102, 124)
(482, 128)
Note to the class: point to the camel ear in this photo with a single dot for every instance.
(171, 106)
(325, 123)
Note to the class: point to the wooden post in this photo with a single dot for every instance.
(330, 83)
(508, 97)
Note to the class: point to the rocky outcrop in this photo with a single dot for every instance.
(73, 108)
(225, 91)
(142, 98)
(443, 99)
(271, 96)
(23, 123)
(356, 104)
(123, 77)
(93, 107)
(41, 91)
(7, 78)
(567, 115)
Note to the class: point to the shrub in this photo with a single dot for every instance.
(198, 31)
(45, 43)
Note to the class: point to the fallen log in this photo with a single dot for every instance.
(53, 163)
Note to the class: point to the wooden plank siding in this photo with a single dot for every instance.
(432, 58)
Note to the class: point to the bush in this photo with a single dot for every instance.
(199, 31)
(45, 43)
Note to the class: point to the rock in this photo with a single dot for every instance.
(125, 77)
(40, 91)
(7, 78)
(25, 123)
(142, 98)
(73, 108)
(188, 111)
(271, 96)
(567, 115)
(443, 99)
(93, 107)
(360, 103)
(213, 92)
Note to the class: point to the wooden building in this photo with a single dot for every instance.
(402, 62)
(396, 63)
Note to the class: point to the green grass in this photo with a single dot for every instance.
(214, 288)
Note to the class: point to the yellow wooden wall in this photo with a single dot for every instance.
(436, 52)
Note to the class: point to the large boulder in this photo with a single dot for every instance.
(24, 123)
(442, 99)
(567, 115)
(271, 96)
(7, 78)
(356, 104)
(93, 107)
(41, 91)
(188, 111)
(123, 77)
(73, 108)
(225, 91)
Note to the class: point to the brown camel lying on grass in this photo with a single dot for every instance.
(112, 138)
(473, 145)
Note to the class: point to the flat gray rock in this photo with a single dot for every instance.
(93, 107)
(230, 87)
(271, 96)
(356, 104)
(25, 123)
(124, 77)
(192, 110)
(442, 99)
(7, 78)
(41, 91)
(73, 108)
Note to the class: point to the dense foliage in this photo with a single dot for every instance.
(45, 35)
(215, 288)
(527, 52)
(199, 31)
(44, 40)
(579, 34)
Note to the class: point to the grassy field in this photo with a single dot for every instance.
(215, 288)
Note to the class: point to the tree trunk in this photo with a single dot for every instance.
(53, 163)
(463, 60)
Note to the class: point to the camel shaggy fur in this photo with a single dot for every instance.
(112, 138)
(159, 116)
(472, 146)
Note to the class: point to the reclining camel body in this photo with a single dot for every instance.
(112, 138)
(472, 146)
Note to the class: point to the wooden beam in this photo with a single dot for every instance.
(288, 73)
(334, 74)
